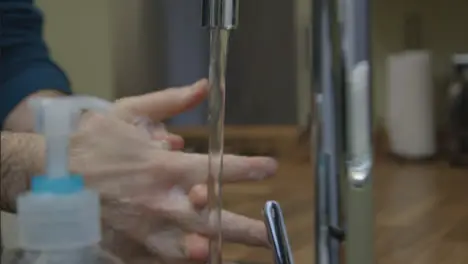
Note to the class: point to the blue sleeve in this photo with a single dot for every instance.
(25, 64)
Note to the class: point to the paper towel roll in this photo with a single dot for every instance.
(410, 119)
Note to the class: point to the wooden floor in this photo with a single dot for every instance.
(421, 212)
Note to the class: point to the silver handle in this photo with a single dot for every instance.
(277, 233)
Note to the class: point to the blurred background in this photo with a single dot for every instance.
(138, 45)
(116, 48)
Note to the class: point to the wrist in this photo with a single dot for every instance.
(21, 118)
(22, 156)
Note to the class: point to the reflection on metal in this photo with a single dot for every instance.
(277, 233)
(341, 131)
(220, 14)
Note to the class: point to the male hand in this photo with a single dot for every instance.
(153, 199)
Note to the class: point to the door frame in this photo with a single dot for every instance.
(303, 18)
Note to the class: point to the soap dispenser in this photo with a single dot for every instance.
(59, 218)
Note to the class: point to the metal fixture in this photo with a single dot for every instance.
(341, 135)
(340, 131)
(277, 233)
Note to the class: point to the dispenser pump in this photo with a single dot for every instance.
(56, 119)
(59, 213)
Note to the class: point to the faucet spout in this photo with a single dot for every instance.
(341, 131)
(220, 14)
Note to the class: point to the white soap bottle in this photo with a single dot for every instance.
(59, 219)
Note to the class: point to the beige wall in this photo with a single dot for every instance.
(80, 38)
(303, 13)
(106, 47)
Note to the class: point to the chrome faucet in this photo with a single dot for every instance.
(341, 135)
(341, 129)
(342, 132)
(220, 14)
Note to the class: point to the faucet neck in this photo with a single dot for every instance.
(220, 14)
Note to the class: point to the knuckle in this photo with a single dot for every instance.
(198, 195)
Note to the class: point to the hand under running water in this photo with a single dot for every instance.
(154, 196)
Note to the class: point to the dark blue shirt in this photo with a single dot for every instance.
(25, 63)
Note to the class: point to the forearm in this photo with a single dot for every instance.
(22, 156)
(21, 118)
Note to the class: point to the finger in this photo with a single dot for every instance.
(176, 142)
(125, 248)
(236, 168)
(137, 225)
(235, 228)
(196, 247)
(241, 229)
(194, 167)
(198, 196)
(159, 133)
(179, 248)
(163, 104)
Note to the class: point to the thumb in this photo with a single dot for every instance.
(166, 103)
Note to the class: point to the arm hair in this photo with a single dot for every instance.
(22, 156)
